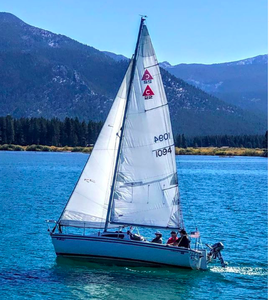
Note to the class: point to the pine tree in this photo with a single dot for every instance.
(184, 142)
(265, 142)
(10, 133)
(179, 141)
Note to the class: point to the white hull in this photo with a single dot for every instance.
(126, 252)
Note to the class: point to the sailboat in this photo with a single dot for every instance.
(130, 179)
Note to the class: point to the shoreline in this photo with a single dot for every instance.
(214, 151)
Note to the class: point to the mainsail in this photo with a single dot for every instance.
(87, 206)
(146, 188)
(130, 177)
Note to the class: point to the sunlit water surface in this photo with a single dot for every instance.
(225, 197)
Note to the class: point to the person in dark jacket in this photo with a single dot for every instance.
(158, 239)
(183, 241)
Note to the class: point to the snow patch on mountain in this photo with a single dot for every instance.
(165, 65)
(260, 59)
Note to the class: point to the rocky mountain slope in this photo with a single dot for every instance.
(50, 75)
(242, 83)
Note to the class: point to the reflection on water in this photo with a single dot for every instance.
(100, 280)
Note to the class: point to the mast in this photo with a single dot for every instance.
(123, 123)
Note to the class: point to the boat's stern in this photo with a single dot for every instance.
(198, 259)
(203, 265)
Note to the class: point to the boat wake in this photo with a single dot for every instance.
(241, 270)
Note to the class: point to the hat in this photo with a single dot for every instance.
(183, 231)
(158, 233)
(173, 232)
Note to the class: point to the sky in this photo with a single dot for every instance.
(182, 31)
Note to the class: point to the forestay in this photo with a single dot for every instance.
(87, 206)
(146, 189)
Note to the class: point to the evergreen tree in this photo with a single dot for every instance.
(179, 141)
(9, 130)
(265, 142)
(3, 130)
(184, 142)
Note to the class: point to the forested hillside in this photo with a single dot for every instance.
(72, 132)
(54, 132)
(242, 83)
(43, 74)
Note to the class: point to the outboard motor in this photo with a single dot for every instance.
(215, 253)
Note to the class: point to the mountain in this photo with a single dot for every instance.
(51, 75)
(242, 83)
(116, 57)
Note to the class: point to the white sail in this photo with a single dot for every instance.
(146, 190)
(87, 206)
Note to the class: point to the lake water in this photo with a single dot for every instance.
(225, 197)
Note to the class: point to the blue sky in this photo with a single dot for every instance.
(183, 31)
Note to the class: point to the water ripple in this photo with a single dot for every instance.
(225, 198)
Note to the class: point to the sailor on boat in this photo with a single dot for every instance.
(158, 239)
(183, 241)
(134, 236)
(173, 239)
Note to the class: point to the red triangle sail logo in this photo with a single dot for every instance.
(148, 91)
(147, 76)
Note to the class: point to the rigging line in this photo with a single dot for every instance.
(123, 98)
(106, 149)
(161, 205)
(167, 175)
(152, 65)
(164, 147)
(156, 107)
(171, 187)
(147, 145)
(80, 221)
(141, 183)
(187, 205)
(90, 199)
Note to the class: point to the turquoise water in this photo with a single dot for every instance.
(225, 197)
